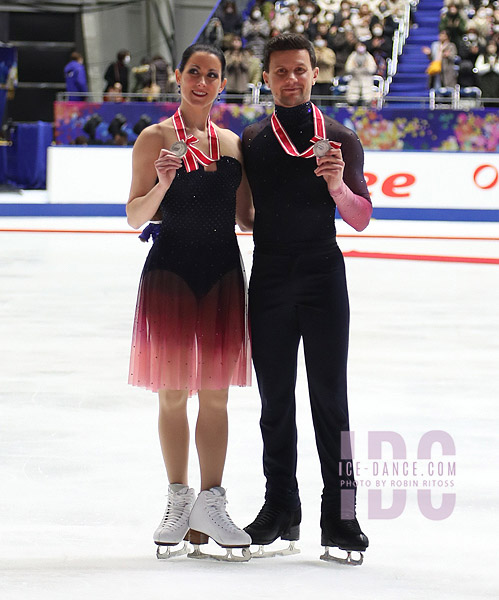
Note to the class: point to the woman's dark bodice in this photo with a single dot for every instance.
(197, 240)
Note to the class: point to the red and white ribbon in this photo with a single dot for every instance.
(319, 134)
(195, 156)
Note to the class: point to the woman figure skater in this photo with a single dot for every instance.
(190, 330)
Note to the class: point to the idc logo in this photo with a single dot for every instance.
(390, 474)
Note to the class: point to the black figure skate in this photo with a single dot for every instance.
(271, 523)
(346, 535)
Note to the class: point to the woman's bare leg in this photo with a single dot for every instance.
(173, 428)
(211, 436)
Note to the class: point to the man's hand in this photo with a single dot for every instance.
(331, 167)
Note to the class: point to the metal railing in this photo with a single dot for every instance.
(456, 98)
(116, 98)
(399, 39)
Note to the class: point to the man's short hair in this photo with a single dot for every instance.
(288, 41)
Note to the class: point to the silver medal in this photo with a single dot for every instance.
(179, 149)
(321, 148)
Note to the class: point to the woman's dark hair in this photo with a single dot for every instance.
(198, 47)
(288, 41)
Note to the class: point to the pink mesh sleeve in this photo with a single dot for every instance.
(354, 209)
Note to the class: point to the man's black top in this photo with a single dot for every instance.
(293, 205)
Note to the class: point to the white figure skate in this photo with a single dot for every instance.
(174, 525)
(209, 519)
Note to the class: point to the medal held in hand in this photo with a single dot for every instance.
(186, 145)
(321, 145)
(321, 148)
(179, 149)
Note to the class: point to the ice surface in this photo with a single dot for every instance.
(82, 485)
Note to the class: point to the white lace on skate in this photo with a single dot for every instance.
(175, 522)
(219, 515)
(175, 515)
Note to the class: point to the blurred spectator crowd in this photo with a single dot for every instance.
(352, 39)
(466, 52)
(355, 39)
(153, 77)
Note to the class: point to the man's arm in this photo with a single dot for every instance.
(343, 170)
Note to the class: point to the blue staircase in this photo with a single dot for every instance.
(411, 79)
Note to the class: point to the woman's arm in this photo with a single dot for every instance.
(245, 211)
(149, 163)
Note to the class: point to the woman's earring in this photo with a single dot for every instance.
(219, 97)
(178, 88)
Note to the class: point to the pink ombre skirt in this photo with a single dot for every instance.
(182, 341)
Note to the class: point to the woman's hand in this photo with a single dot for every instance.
(153, 170)
(166, 166)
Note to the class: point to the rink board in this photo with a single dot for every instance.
(414, 183)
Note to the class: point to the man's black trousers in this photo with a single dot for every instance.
(300, 295)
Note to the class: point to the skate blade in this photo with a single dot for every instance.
(168, 553)
(348, 560)
(261, 553)
(228, 557)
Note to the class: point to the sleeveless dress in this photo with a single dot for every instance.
(191, 330)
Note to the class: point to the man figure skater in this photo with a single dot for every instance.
(298, 290)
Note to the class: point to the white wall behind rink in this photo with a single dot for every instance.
(88, 174)
(101, 175)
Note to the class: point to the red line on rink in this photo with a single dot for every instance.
(427, 257)
(420, 237)
(340, 235)
(348, 254)
(68, 231)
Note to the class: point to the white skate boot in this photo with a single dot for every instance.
(175, 523)
(209, 519)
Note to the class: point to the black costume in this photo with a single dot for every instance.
(190, 329)
(298, 290)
